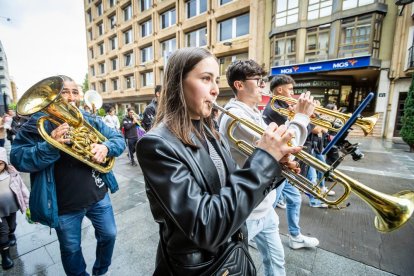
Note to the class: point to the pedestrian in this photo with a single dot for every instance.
(2, 132)
(112, 120)
(283, 85)
(7, 120)
(65, 190)
(129, 123)
(151, 110)
(246, 79)
(196, 193)
(14, 196)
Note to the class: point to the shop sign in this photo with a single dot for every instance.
(320, 66)
(318, 83)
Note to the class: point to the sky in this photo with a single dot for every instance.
(44, 38)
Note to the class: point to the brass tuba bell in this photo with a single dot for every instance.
(45, 96)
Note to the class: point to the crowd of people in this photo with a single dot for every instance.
(204, 191)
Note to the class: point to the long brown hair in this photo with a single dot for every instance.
(172, 107)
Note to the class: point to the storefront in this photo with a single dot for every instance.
(345, 82)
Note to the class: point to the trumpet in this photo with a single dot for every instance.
(366, 124)
(392, 211)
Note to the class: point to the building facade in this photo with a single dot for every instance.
(340, 50)
(5, 84)
(401, 70)
(129, 41)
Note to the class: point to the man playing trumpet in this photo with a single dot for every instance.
(246, 80)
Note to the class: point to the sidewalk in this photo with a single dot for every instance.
(349, 243)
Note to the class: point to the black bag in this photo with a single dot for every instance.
(234, 260)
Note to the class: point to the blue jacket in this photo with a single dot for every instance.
(31, 153)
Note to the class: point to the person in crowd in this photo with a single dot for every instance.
(112, 120)
(57, 177)
(2, 132)
(151, 110)
(130, 123)
(196, 193)
(14, 196)
(283, 85)
(246, 79)
(7, 121)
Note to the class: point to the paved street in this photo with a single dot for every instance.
(349, 243)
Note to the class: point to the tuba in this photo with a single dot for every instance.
(45, 96)
(329, 117)
(392, 211)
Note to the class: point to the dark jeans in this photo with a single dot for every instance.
(69, 235)
(131, 147)
(2, 142)
(7, 228)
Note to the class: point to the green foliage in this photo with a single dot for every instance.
(407, 130)
(85, 85)
(12, 106)
(121, 114)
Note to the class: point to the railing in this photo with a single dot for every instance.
(411, 57)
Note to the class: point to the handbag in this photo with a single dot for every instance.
(234, 260)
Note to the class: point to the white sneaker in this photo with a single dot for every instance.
(281, 205)
(330, 193)
(301, 241)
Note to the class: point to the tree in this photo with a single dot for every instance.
(85, 85)
(407, 130)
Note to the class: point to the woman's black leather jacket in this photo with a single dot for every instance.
(196, 215)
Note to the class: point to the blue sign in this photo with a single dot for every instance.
(320, 66)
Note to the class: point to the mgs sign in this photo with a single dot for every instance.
(344, 64)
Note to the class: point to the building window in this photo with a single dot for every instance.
(222, 2)
(167, 47)
(90, 34)
(146, 28)
(103, 86)
(127, 12)
(317, 43)
(114, 84)
(113, 42)
(92, 70)
(319, 8)
(102, 68)
(114, 64)
(356, 36)
(101, 47)
(89, 15)
(146, 54)
(225, 61)
(93, 86)
(99, 9)
(233, 27)
(129, 59)
(195, 7)
(112, 21)
(111, 3)
(128, 36)
(129, 81)
(286, 12)
(91, 54)
(145, 4)
(147, 79)
(283, 49)
(197, 38)
(167, 19)
(350, 4)
(100, 28)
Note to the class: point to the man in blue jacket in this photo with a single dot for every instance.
(64, 190)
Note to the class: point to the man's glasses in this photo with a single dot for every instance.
(259, 81)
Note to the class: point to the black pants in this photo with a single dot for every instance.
(7, 227)
(131, 147)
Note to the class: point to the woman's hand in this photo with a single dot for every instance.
(275, 141)
(306, 104)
